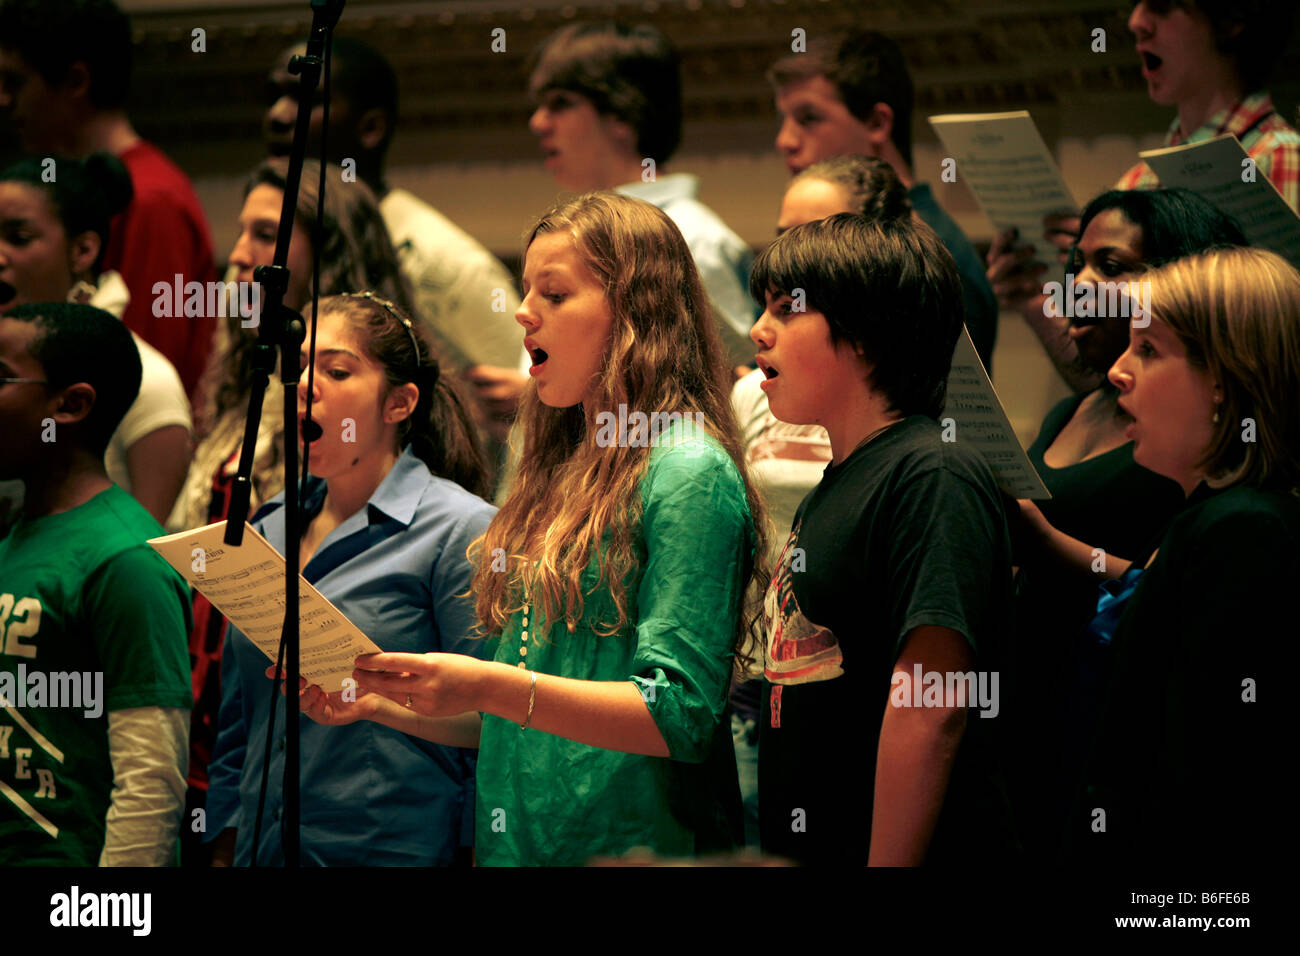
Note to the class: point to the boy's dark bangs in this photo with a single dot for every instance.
(793, 261)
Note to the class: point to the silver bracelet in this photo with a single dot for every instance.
(532, 699)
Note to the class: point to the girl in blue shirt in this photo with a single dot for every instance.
(390, 509)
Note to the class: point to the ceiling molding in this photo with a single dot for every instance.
(965, 55)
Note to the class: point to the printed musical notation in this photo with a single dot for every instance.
(246, 584)
(1006, 164)
(1221, 171)
(979, 418)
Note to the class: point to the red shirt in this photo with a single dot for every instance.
(161, 233)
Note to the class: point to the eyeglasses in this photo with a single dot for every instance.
(23, 381)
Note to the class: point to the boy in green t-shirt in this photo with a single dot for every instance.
(94, 675)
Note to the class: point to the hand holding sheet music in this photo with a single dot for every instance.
(1006, 164)
(246, 585)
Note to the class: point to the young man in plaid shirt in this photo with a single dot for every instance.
(1210, 60)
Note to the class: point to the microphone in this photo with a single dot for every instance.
(311, 431)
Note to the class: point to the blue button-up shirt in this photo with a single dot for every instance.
(722, 258)
(370, 796)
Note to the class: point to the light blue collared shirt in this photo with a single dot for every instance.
(371, 796)
(722, 257)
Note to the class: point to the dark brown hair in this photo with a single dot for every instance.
(356, 255)
(439, 430)
(1251, 33)
(866, 68)
(871, 185)
(632, 73)
(888, 287)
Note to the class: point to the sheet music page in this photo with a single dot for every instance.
(979, 418)
(1221, 172)
(246, 584)
(1003, 160)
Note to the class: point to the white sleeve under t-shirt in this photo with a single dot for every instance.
(149, 749)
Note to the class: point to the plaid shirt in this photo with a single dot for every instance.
(1266, 137)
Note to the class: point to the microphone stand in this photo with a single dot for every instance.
(281, 328)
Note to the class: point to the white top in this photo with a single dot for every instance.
(150, 750)
(786, 461)
(455, 281)
(161, 402)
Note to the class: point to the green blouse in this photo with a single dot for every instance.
(546, 800)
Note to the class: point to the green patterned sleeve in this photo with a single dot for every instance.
(699, 544)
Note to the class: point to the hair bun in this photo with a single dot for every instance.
(870, 185)
(110, 176)
(891, 201)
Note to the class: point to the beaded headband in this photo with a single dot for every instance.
(391, 310)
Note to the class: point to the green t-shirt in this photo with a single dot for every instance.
(91, 620)
(546, 800)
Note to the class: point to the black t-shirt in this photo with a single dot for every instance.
(907, 531)
(1184, 765)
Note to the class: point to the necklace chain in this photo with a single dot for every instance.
(882, 428)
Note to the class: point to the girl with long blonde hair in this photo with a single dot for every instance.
(612, 580)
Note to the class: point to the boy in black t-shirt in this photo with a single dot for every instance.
(893, 591)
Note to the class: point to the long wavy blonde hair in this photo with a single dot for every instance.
(663, 355)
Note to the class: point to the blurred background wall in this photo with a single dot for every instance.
(463, 143)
